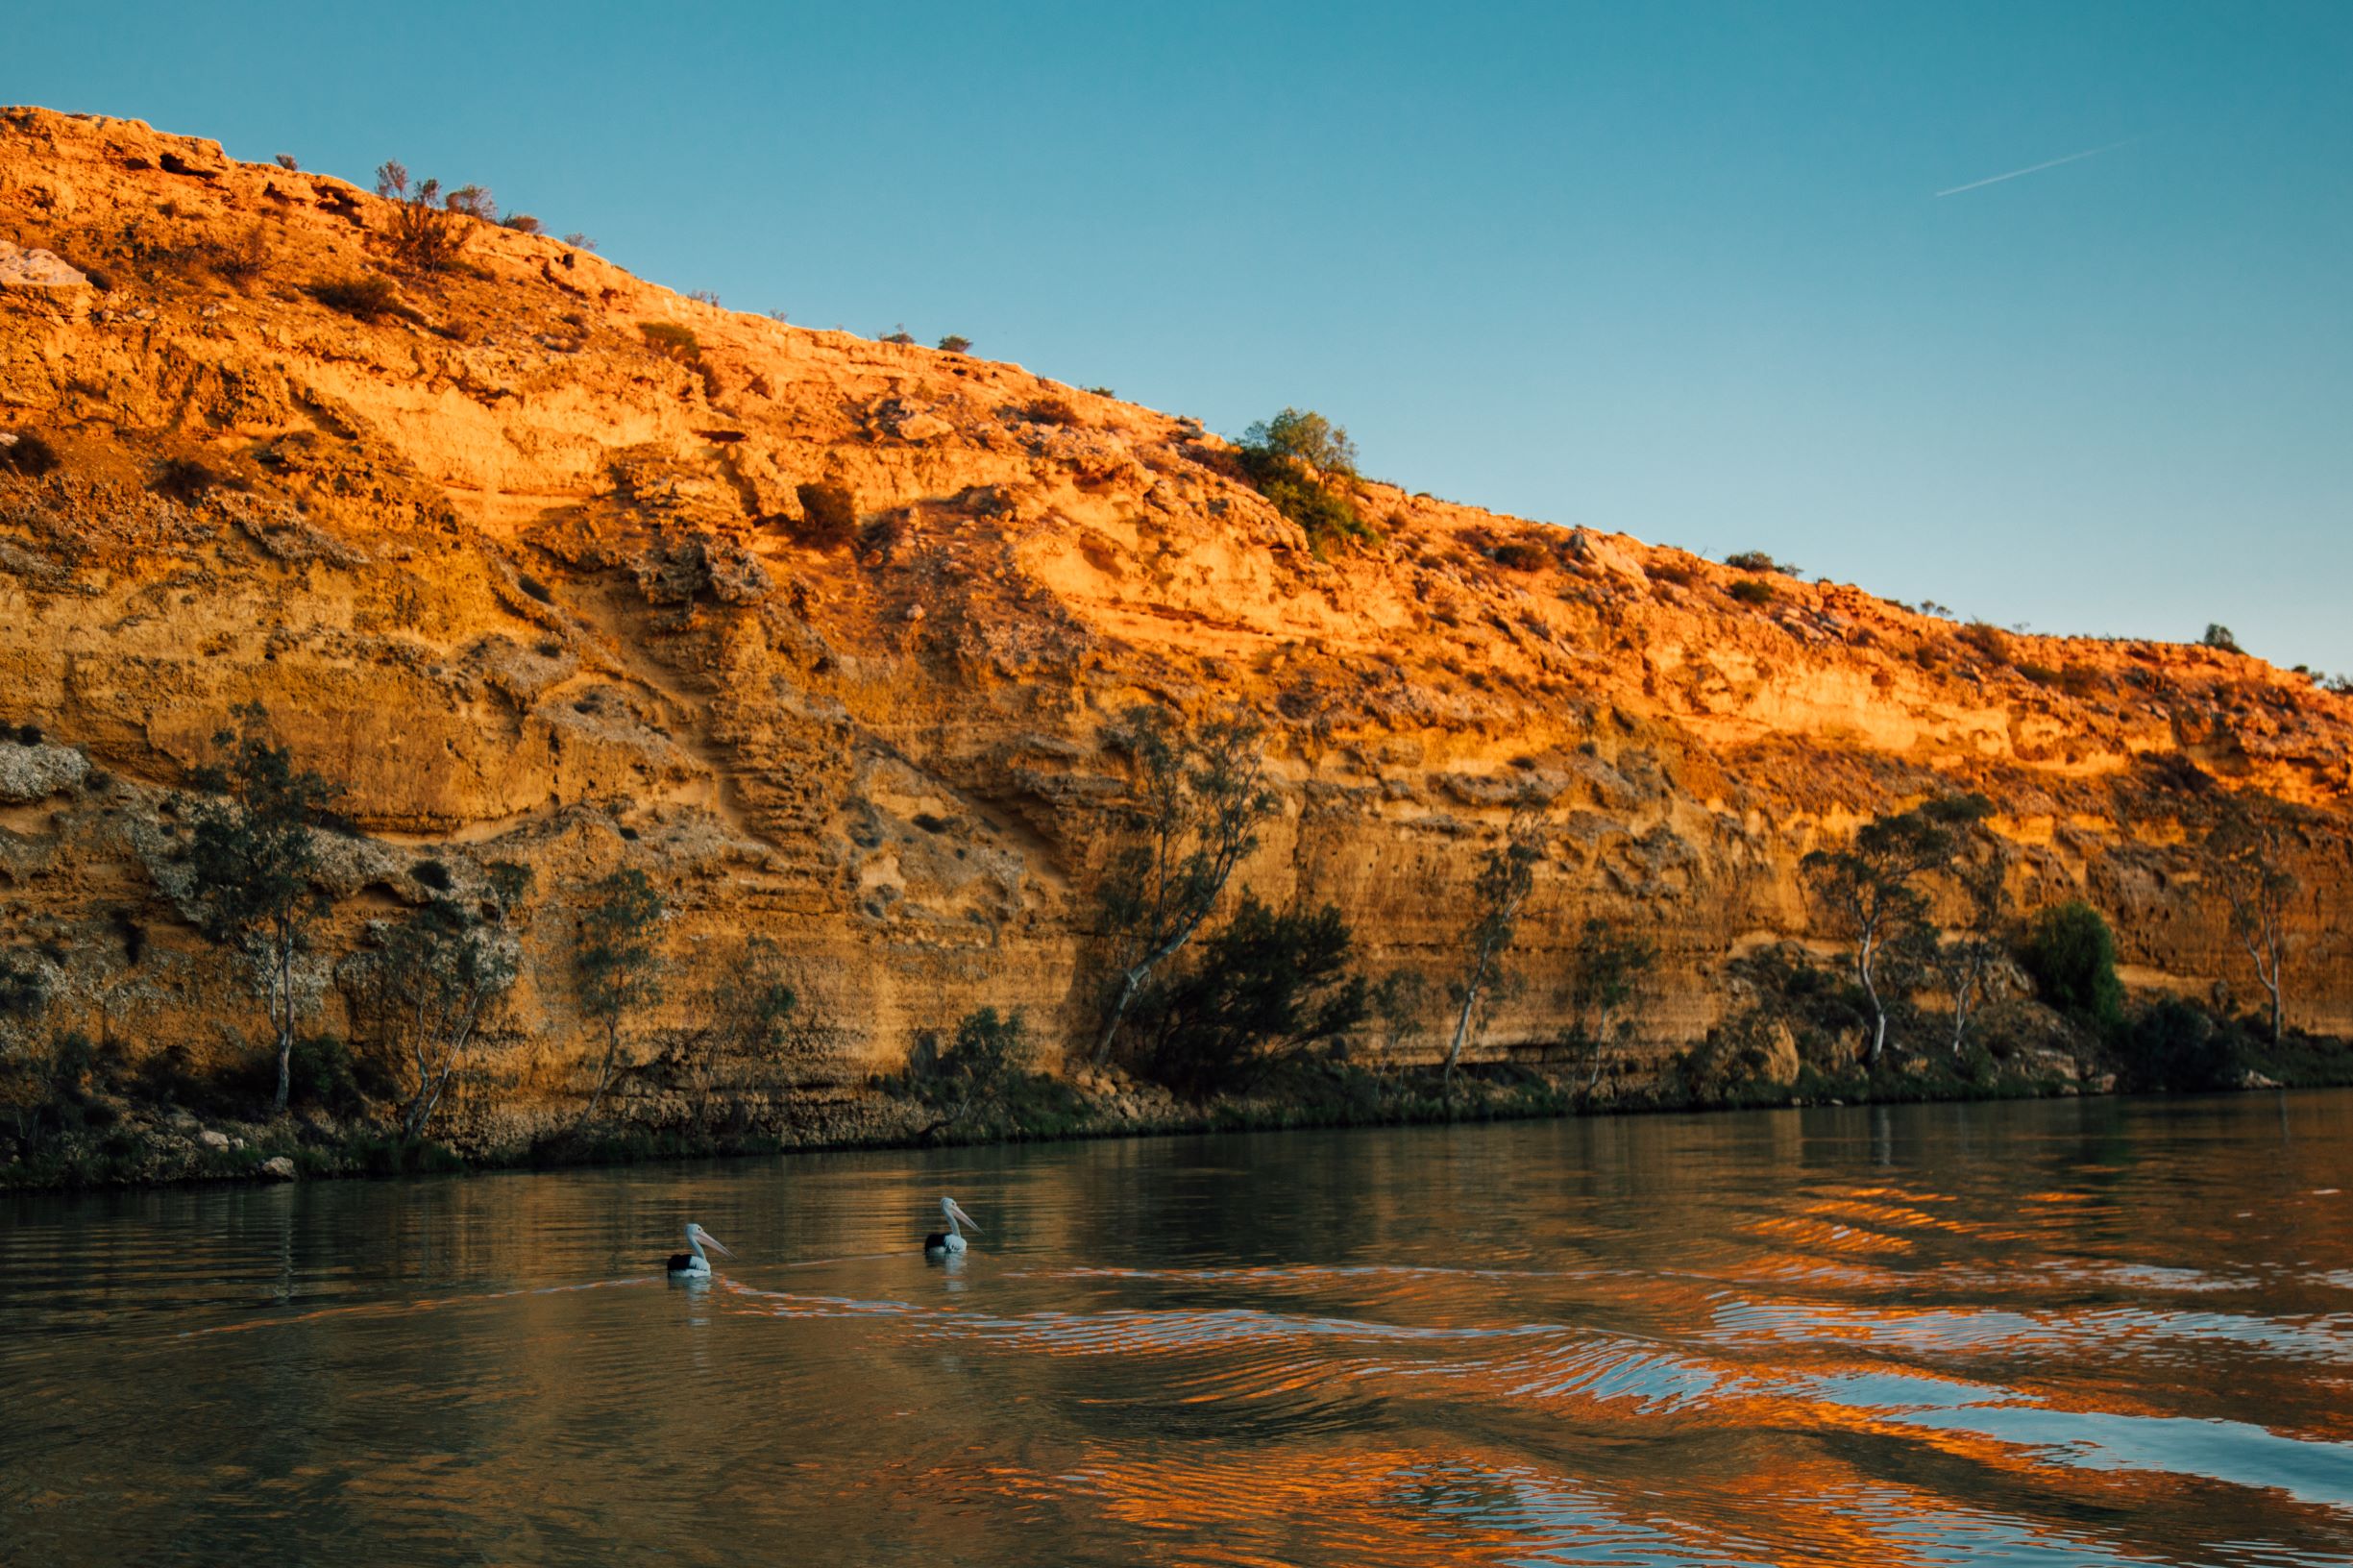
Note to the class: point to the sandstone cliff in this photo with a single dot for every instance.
(535, 575)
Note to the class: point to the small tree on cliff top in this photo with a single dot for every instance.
(1507, 877)
(251, 858)
(1870, 891)
(1201, 792)
(616, 970)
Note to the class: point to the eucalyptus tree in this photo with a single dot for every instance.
(1200, 791)
(1871, 892)
(252, 862)
(1507, 877)
(2243, 851)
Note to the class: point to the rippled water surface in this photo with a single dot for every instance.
(2068, 1333)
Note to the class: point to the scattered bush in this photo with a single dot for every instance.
(27, 454)
(2177, 1047)
(1757, 560)
(367, 298)
(1050, 410)
(954, 344)
(900, 335)
(185, 480)
(2071, 954)
(1752, 591)
(428, 229)
(672, 342)
(521, 223)
(242, 260)
(968, 1071)
(2219, 636)
(285, 161)
(579, 241)
(1670, 572)
(1520, 555)
(829, 514)
(1991, 642)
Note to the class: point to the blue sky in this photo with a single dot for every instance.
(1674, 269)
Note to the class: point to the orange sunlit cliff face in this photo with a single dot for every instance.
(541, 562)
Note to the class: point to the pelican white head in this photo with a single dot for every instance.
(950, 1239)
(694, 1260)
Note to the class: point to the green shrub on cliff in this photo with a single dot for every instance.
(1267, 988)
(1304, 464)
(2071, 954)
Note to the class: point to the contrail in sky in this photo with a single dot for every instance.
(2038, 168)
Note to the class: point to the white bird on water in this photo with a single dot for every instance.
(951, 1240)
(692, 1263)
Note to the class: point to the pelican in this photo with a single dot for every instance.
(951, 1240)
(691, 1264)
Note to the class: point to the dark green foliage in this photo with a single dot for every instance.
(828, 514)
(28, 455)
(900, 337)
(2219, 636)
(368, 297)
(2175, 1047)
(1870, 892)
(1757, 560)
(251, 857)
(185, 480)
(1303, 463)
(1303, 435)
(616, 970)
(753, 1023)
(1752, 592)
(1507, 877)
(1200, 791)
(2071, 954)
(437, 978)
(968, 1071)
(321, 1073)
(953, 344)
(1606, 972)
(1267, 986)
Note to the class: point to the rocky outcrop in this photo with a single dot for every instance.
(541, 562)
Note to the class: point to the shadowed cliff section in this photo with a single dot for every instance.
(547, 564)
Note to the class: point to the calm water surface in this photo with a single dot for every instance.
(2067, 1333)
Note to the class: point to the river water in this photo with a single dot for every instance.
(2064, 1333)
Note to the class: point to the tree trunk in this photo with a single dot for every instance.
(285, 1029)
(1129, 984)
(1462, 1020)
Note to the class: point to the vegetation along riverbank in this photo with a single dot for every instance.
(463, 704)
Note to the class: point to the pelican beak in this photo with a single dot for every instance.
(717, 1245)
(962, 1217)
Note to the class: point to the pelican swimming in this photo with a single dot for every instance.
(951, 1240)
(691, 1264)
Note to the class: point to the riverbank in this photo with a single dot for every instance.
(130, 1146)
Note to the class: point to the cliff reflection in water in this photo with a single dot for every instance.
(2078, 1331)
